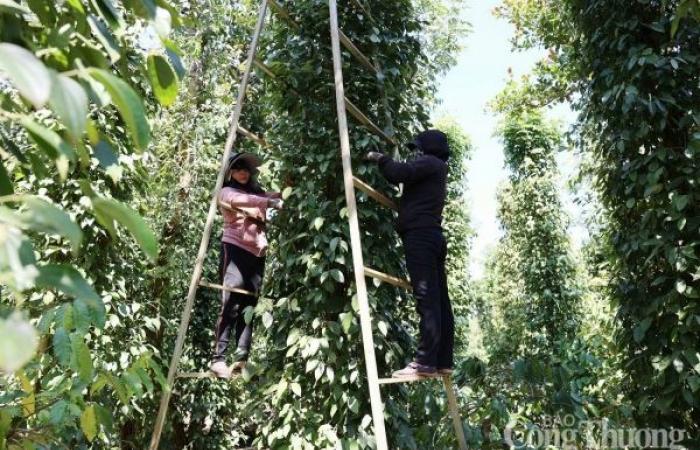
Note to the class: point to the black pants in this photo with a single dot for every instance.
(426, 251)
(241, 269)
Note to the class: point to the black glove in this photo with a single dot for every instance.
(374, 156)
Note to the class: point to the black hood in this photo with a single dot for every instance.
(432, 142)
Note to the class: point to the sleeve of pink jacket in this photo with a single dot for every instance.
(235, 197)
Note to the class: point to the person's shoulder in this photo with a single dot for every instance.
(431, 160)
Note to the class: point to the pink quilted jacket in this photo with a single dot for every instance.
(245, 230)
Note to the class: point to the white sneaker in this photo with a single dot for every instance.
(220, 369)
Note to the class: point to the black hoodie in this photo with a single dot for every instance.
(425, 182)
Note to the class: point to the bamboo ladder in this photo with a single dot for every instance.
(351, 182)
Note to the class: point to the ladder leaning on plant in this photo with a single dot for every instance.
(351, 182)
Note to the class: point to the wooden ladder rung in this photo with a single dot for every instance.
(361, 6)
(282, 12)
(265, 68)
(388, 278)
(208, 374)
(207, 284)
(373, 193)
(364, 120)
(348, 44)
(268, 71)
(411, 379)
(253, 137)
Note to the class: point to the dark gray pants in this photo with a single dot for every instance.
(241, 269)
(426, 251)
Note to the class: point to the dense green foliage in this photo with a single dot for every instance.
(73, 130)
(313, 362)
(96, 131)
(529, 304)
(308, 267)
(634, 66)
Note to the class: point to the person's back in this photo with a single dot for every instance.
(423, 200)
(420, 227)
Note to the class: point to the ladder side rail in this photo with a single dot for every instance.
(454, 412)
(204, 244)
(358, 265)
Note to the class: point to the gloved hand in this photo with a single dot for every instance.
(275, 203)
(373, 156)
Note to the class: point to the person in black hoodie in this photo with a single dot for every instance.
(420, 227)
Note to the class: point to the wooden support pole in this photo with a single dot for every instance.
(373, 193)
(454, 412)
(355, 242)
(204, 244)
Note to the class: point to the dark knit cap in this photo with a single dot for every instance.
(432, 142)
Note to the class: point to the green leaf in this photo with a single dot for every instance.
(318, 222)
(680, 286)
(110, 210)
(286, 193)
(26, 73)
(6, 187)
(641, 329)
(17, 269)
(81, 361)
(77, 6)
(680, 202)
(43, 217)
(267, 319)
(248, 314)
(163, 22)
(346, 321)
(106, 155)
(61, 346)
(58, 412)
(52, 144)
(104, 417)
(175, 61)
(142, 8)
(129, 105)
(163, 79)
(102, 33)
(338, 275)
(109, 13)
(68, 280)
(12, 7)
(88, 423)
(18, 344)
(81, 316)
(296, 388)
(70, 102)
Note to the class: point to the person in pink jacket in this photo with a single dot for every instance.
(242, 263)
